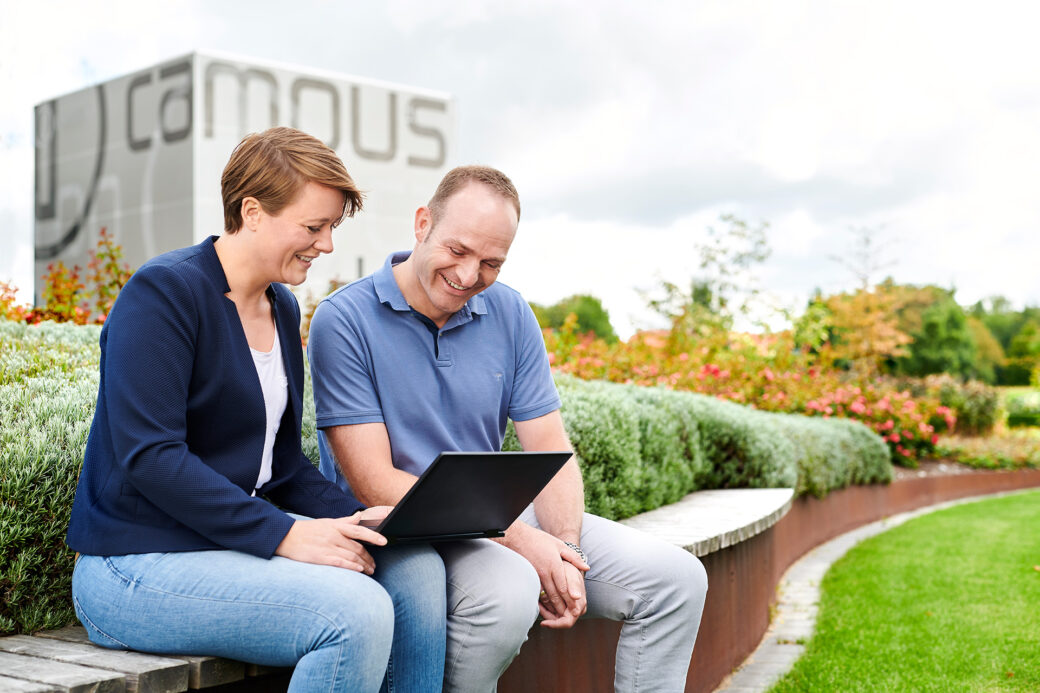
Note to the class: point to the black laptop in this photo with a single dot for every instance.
(468, 495)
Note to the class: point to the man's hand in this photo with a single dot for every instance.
(575, 607)
(560, 571)
(334, 541)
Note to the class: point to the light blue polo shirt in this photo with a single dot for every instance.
(374, 359)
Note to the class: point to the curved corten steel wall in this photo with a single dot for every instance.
(742, 583)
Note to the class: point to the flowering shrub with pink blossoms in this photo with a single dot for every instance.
(766, 372)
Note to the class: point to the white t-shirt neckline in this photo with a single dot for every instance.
(271, 371)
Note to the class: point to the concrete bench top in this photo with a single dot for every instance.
(706, 521)
(64, 660)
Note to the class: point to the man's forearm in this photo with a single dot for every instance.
(387, 489)
(362, 452)
(560, 505)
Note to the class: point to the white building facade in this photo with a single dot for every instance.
(142, 155)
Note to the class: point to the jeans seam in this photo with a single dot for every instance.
(220, 600)
(84, 617)
(390, 673)
(317, 614)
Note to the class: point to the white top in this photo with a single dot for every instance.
(271, 370)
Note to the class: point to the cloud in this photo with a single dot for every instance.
(628, 130)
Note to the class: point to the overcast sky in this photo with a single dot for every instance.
(630, 127)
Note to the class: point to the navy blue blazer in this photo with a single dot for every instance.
(175, 446)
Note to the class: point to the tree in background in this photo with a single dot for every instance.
(865, 260)
(863, 327)
(896, 328)
(1006, 324)
(725, 286)
(998, 315)
(941, 340)
(590, 316)
(990, 354)
(1023, 354)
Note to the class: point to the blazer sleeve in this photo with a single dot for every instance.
(309, 493)
(148, 368)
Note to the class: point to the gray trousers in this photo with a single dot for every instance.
(655, 588)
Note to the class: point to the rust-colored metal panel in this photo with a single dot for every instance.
(740, 590)
(578, 659)
(742, 583)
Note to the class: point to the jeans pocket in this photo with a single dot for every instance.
(132, 566)
(101, 586)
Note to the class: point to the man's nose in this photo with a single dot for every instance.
(469, 270)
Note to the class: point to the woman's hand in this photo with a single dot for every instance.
(334, 541)
(374, 514)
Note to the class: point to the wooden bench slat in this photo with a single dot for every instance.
(254, 670)
(68, 634)
(144, 673)
(10, 685)
(203, 672)
(67, 678)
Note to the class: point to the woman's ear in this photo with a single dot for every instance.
(251, 212)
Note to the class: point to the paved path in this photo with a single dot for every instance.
(798, 597)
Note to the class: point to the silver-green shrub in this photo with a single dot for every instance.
(640, 448)
(48, 388)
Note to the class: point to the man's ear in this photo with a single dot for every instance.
(251, 212)
(423, 224)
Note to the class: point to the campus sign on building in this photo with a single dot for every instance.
(142, 156)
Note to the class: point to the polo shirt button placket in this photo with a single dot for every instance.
(443, 357)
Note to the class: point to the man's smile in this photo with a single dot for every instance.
(455, 286)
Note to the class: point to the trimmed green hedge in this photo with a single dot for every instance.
(638, 448)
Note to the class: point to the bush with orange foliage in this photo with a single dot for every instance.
(767, 372)
(66, 298)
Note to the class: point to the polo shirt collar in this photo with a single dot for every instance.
(389, 293)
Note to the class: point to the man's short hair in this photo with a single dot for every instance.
(460, 176)
(274, 165)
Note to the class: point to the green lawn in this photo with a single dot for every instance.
(946, 602)
(1010, 390)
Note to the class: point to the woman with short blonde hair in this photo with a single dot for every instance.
(193, 514)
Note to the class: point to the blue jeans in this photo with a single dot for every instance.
(342, 630)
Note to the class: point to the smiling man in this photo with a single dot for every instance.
(430, 354)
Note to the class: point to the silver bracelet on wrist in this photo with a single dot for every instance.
(577, 549)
